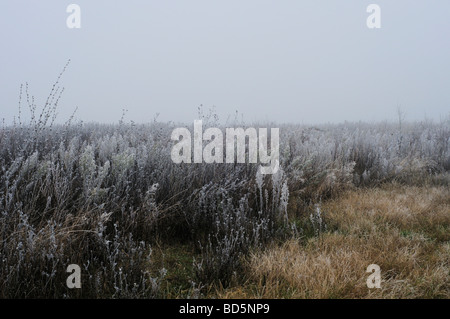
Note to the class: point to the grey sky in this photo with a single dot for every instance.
(286, 60)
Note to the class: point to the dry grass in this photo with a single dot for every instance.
(405, 230)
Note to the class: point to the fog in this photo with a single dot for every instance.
(283, 61)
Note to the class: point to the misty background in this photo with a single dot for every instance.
(284, 61)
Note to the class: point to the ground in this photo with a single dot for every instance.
(403, 229)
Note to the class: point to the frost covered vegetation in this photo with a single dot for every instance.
(103, 196)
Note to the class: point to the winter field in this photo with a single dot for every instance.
(110, 199)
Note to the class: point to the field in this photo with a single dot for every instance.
(109, 199)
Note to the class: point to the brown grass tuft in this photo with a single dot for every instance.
(405, 230)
